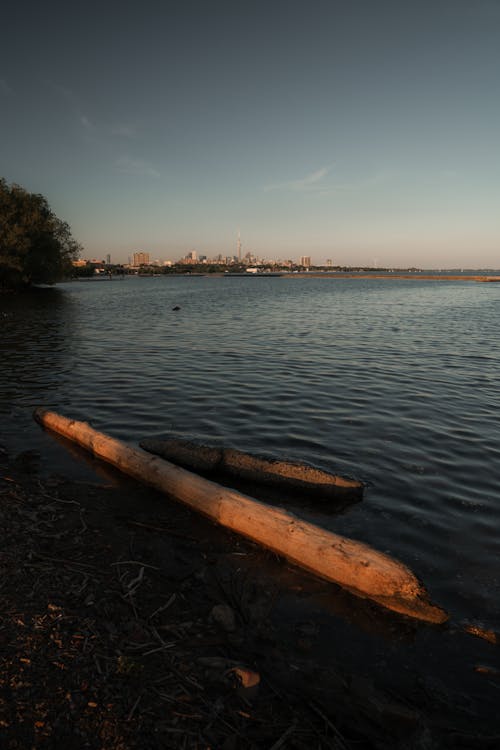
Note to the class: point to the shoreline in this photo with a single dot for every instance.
(389, 276)
(300, 275)
(132, 622)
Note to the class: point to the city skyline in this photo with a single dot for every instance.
(362, 132)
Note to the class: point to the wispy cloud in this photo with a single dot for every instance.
(124, 129)
(5, 89)
(317, 183)
(136, 167)
(375, 180)
(74, 105)
(312, 182)
(101, 135)
(65, 93)
(86, 123)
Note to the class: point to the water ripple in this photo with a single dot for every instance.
(397, 383)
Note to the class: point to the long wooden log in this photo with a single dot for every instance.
(351, 564)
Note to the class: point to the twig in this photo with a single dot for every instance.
(165, 606)
(332, 726)
(158, 636)
(186, 678)
(84, 525)
(159, 648)
(135, 562)
(135, 582)
(63, 560)
(279, 743)
(132, 710)
(164, 529)
(98, 666)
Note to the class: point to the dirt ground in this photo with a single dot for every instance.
(129, 622)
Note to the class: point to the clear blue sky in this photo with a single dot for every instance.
(353, 130)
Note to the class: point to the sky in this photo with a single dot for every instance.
(365, 132)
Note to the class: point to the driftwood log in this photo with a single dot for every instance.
(351, 564)
(270, 472)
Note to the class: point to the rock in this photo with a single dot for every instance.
(247, 682)
(246, 677)
(223, 616)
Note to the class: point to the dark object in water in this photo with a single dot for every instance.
(176, 308)
(235, 464)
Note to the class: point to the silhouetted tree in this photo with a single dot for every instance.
(35, 246)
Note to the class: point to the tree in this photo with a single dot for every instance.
(36, 247)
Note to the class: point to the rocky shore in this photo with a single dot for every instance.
(133, 623)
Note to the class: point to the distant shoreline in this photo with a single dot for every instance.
(410, 276)
(301, 275)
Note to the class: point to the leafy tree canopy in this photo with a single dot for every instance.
(35, 246)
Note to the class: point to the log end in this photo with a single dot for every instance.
(39, 414)
(419, 608)
(295, 475)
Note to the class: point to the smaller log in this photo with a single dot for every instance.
(186, 453)
(229, 462)
(351, 564)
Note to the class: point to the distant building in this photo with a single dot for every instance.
(190, 259)
(305, 261)
(141, 259)
(108, 259)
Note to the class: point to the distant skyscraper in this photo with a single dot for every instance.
(305, 261)
(108, 259)
(239, 247)
(141, 259)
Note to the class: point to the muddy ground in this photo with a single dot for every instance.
(129, 622)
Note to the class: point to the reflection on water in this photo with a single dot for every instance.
(37, 336)
(395, 382)
(39, 342)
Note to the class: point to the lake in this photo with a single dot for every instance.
(392, 381)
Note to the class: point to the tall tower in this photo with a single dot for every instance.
(239, 247)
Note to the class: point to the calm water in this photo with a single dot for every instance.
(395, 382)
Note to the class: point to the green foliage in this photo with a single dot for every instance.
(83, 271)
(35, 246)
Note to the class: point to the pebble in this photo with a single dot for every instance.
(223, 616)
